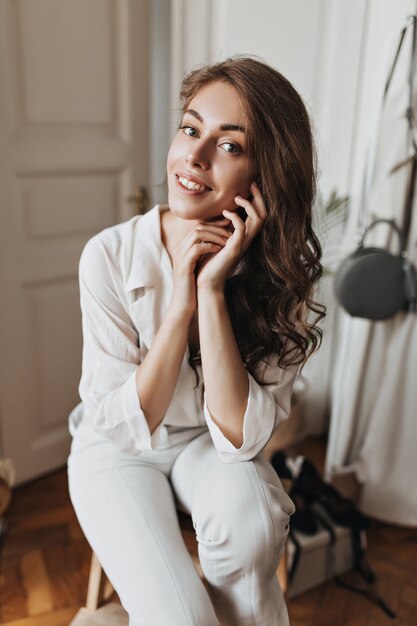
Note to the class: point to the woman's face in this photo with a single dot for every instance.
(208, 163)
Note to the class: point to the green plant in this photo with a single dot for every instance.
(330, 219)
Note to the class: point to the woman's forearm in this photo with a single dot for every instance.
(226, 380)
(157, 375)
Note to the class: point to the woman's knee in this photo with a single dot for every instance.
(246, 527)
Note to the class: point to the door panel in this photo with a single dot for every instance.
(74, 90)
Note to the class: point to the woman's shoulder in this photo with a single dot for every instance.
(115, 244)
(113, 239)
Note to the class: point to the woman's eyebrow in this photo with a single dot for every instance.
(222, 126)
(232, 127)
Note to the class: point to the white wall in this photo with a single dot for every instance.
(315, 43)
(319, 46)
(159, 114)
(335, 52)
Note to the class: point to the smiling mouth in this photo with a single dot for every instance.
(191, 185)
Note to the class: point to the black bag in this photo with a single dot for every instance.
(374, 283)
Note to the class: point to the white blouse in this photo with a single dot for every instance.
(126, 284)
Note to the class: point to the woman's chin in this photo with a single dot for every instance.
(184, 212)
(189, 208)
(198, 207)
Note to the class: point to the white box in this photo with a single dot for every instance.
(319, 560)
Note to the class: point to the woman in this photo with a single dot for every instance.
(194, 323)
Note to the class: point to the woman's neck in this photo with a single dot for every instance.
(173, 230)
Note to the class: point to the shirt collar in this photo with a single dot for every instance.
(147, 249)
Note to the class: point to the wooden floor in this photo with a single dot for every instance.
(45, 563)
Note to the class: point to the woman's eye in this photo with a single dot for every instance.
(189, 130)
(231, 148)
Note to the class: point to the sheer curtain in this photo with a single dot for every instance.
(373, 427)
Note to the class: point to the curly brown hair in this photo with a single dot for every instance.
(270, 296)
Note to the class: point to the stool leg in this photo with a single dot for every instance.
(282, 571)
(95, 584)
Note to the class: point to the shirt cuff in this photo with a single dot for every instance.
(258, 424)
(131, 430)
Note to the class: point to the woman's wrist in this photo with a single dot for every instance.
(210, 291)
(210, 288)
(180, 314)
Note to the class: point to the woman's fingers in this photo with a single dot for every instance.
(212, 228)
(258, 201)
(255, 209)
(201, 233)
(200, 250)
(254, 217)
(238, 224)
(212, 235)
(203, 240)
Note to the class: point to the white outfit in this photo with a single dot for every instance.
(125, 482)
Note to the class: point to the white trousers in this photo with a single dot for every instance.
(126, 506)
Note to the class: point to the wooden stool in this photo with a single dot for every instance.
(100, 588)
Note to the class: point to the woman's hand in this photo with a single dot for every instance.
(218, 265)
(205, 240)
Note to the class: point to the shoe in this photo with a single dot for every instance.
(303, 519)
(278, 462)
(340, 509)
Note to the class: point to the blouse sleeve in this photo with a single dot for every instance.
(267, 407)
(111, 354)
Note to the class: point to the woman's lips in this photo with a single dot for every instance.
(190, 185)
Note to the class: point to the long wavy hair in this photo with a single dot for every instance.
(270, 296)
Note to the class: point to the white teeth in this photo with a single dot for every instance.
(191, 185)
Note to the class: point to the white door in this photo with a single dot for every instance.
(74, 91)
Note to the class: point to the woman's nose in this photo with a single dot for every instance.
(198, 157)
